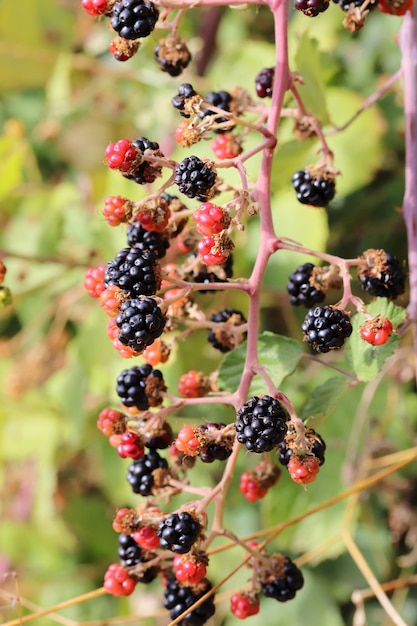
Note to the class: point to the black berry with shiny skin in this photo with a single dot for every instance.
(140, 322)
(178, 532)
(179, 598)
(300, 290)
(285, 585)
(261, 424)
(140, 472)
(316, 191)
(130, 554)
(195, 178)
(134, 19)
(131, 385)
(134, 270)
(326, 328)
(139, 237)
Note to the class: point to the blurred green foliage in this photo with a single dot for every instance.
(63, 99)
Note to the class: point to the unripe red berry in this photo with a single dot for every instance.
(121, 155)
(94, 281)
(95, 7)
(146, 538)
(226, 147)
(187, 441)
(244, 604)
(110, 422)
(303, 469)
(210, 219)
(210, 257)
(117, 581)
(3, 270)
(189, 568)
(130, 446)
(193, 384)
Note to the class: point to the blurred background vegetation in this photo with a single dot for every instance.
(63, 99)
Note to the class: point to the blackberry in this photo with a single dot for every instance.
(215, 451)
(223, 339)
(264, 82)
(381, 274)
(139, 386)
(283, 580)
(146, 172)
(313, 190)
(311, 8)
(131, 554)
(301, 291)
(221, 100)
(139, 237)
(216, 274)
(179, 598)
(133, 19)
(140, 473)
(178, 532)
(134, 270)
(260, 424)
(172, 55)
(326, 328)
(185, 96)
(140, 322)
(195, 178)
(346, 4)
(290, 445)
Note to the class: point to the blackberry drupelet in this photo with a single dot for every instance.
(311, 8)
(178, 532)
(326, 328)
(223, 339)
(134, 270)
(135, 386)
(264, 82)
(140, 322)
(179, 598)
(131, 554)
(221, 100)
(381, 274)
(185, 93)
(140, 473)
(134, 19)
(195, 178)
(300, 290)
(146, 172)
(139, 237)
(261, 424)
(282, 583)
(314, 190)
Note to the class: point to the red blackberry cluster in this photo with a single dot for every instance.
(140, 387)
(134, 19)
(300, 289)
(315, 190)
(195, 178)
(381, 274)
(178, 532)
(261, 424)
(141, 473)
(326, 328)
(135, 271)
(140, 322)
(179, 597)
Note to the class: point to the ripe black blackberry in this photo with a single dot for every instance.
(311, 8)
(140, 387)
(140, 322)
(195, 178)
(139, 237)
(346, 4)
(131, 554)
(215, 451)
(381, 274)
(291, 445)
(326, 328)
(224, 339)
(178, 532)
(221, 100)
(179, 598)
(201, 273)
(134, 19)
(146, 172)
(185, 95)
(282, 580)
(261, 424)
(264, 82)
(134, 270)
(140, 473)
(312, 189)
(172, 55)
(300, 290)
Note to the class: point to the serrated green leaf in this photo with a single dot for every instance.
(367, 360)
(322, 401)
(312, 91)
(279, 356)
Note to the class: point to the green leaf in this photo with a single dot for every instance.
(279, 356)
(367, 360)
(312, 91)
(322, 401)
